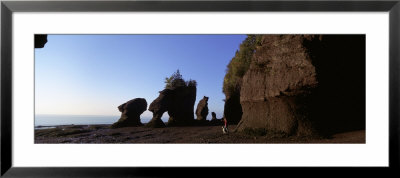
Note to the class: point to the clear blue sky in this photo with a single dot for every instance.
(94, 74)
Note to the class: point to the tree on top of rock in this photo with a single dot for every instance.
(176, 80)
(239, 64)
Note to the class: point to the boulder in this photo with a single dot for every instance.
(130, 113)
(202, 109)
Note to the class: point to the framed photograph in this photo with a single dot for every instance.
(142, 88)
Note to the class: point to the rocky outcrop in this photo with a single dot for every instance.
(40, 41)
(202, 109)
(178, 102)
(233, 108)
(233, 78)
(338, 103)
(280, 74)
(305, 84)
(131, 112)
(181, 109)
(214, 121)
(158, 107)
(213, 115)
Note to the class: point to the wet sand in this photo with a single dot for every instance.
(191, 134)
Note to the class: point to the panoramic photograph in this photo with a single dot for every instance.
(199, 88)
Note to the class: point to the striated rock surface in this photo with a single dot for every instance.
(202, 109)
(304, 84)
(131, 112)
(280, 74)
(233, 78)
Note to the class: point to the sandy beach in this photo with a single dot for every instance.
(191, 134)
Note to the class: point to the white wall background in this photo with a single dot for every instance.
(373, 153)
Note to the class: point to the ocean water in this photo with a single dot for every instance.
(52, 120)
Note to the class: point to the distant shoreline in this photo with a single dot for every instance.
(57, 120)
(67, 120)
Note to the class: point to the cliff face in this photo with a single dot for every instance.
(305, 84)
(235, 71)
(279, 79)
(233, 108)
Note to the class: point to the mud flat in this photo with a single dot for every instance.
(191, 134)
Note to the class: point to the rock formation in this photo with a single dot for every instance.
(181, 109)
(179, 102)
(202, 109)
(233, 79)
(213, 115)
(214, 121)
(305, 84)
(233, 108)
(40, 41)
(158, 107)
(131, 112)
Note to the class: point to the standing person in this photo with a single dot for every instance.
(225, 127)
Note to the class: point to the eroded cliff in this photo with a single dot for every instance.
(305, 85)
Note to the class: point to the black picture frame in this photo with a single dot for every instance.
(8, 7)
